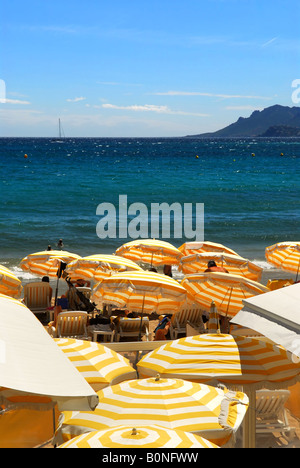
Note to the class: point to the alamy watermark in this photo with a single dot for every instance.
(296, 93)
(2, 92)
(163, 220)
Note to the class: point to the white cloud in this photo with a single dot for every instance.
(13, 101)
(151, 108)
(76, 99)
(197, 93)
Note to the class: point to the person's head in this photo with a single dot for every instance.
(211, 263)
(45, 279)
(153, 269)
(80, 282)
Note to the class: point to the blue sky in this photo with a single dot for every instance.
(143, 68)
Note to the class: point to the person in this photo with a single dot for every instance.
(153, 269)
(162, 329)
(212, 266)
(60, 244)
(168, 270)
(45, 279)
(49, 247)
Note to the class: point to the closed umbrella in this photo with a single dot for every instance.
(141, 437)
(235, 265)
(227, 291)
(152, 251)
(97, 267)
(46, 263)
(210, 412)
(284, 255)
(226, 359)
(190, 248)
(10, 285)
(99, 365)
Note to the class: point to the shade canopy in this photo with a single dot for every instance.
(141, 437)
(141, 291)
(227, 291)
(152, 251)
(46, 263)
(235, 265)
(190, 248)
(275, 315)
(284, 255)
(99, 365)
(99, 266)
(33, 370)
(10, 285)
(210, 412)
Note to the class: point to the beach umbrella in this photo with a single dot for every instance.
(99, 365)
(46, 263)
(141, 291)
(141, 437)
(213, 325)
(34, 373)
(190, 248)
(284, 255)
(227, 291)
(234, 361)
(236, 265)
(212, 413)
(97, 267)
(152, 251)
(10, 285)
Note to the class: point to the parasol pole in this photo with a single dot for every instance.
(298, 271)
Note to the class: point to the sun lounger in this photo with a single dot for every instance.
(187, 315)
(270, 412)
(37, 297)
(71, 324)
(131, 327)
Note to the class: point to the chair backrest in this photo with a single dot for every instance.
(72, 323)
(86, 291)
(132, 324)
(269, 403)
(187, 314)
(37, 295)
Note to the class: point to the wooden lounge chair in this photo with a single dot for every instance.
(131, 327)
(270, 412)
(191, 315)
(37, 297)
(71, 324)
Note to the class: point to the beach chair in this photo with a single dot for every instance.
(131, 327)
(271, 413)
(190, 315)
(37, 297)
(71, 324)
(86, 291)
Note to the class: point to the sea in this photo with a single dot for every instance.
(52, 189)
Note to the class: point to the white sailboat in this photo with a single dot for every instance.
(61, 134)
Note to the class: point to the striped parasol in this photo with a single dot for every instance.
(152, 251)
(235, 264)
(99, 365)
(46, 263)
(141, 437)
(284, 255)
(97, 267)
(142, 291)
(227, 291)
(213, 325)
(190, 248)
(210, 412)
(10, 285)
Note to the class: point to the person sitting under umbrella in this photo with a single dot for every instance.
(212, 266)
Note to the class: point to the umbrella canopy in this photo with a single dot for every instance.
(99, 365)
(284, 255)
(190, 248)
(141, 291)
(210, 412)
(46, 263)
(141, 437)
(227, 291)
(227, 359)
(152, 251)
(213, 325)
(97, 267)
(10, 285)
(33, 370)
(235, 265)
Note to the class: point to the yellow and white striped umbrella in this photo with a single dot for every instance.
(227, 359)
(46, 263)
(140, 291)
(99, 365)
(235, 264)
(140, 437)
(285, 255)
(190, 248)
(213, 324)
(227, 291)
(97, 267)
(10, 285)
(152, 251)
(210, 412)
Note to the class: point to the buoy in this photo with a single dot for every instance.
(252, 155)
(197, 157)
(281, 154)
(25, 156)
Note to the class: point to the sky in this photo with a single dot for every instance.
(137, 68)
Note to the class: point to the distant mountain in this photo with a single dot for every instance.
(282, 131)
(259, 123)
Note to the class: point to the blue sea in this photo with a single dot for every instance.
(250, 189)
